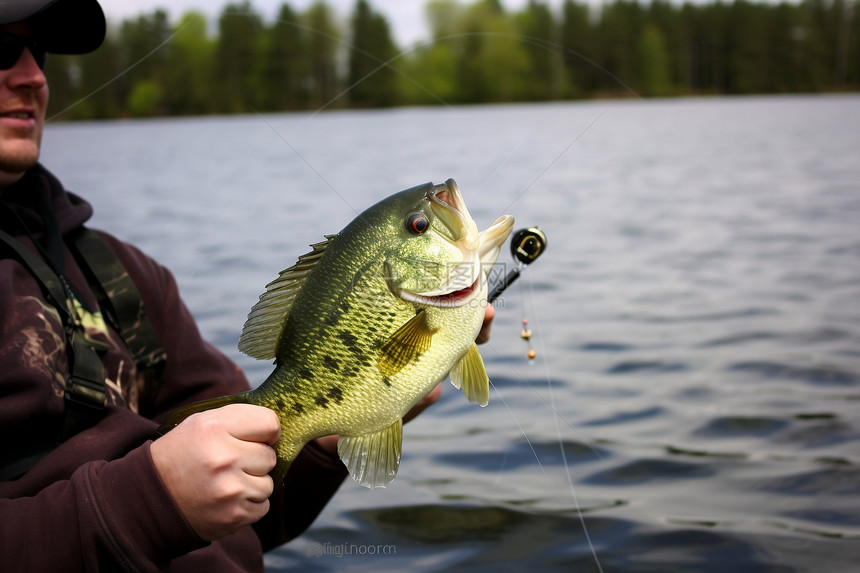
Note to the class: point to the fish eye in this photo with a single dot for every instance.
(417, 223)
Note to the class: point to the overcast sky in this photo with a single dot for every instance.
(406, 17)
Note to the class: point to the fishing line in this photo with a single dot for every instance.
(535, 391)
(531, 40)
(122, 73)
(522, 431)
(555, 160)
(538, 42)
(330, 102)
(501, 165)
(382, 65)
(526, 333)
(556, 417)
(302, 157)
(548, 46)
(526, 246)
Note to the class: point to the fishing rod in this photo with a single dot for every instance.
(526, 246)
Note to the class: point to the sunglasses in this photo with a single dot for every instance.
(11, 47)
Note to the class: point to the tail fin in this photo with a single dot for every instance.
(174, 418)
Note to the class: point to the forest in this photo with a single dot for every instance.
(476, 53)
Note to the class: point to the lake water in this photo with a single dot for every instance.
(695, 401)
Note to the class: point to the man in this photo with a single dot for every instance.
(83, 486)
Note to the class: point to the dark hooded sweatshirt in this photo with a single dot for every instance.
(96, 501)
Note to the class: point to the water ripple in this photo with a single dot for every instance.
(650, 470)
(525, 455)
(741, 338)
(840, 481)
(650, 366)
(736, 426)
(821, 375)
(623, 417)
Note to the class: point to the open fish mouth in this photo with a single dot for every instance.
(448, 206)
(446, 300)
(479, 249)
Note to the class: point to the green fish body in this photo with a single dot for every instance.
(366, 324)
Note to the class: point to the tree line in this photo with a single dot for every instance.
(477, 53)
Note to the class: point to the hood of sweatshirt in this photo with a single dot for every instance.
(22, 204)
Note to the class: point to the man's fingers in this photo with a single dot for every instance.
(259, 460)
(259, 489)
(484, 334)
(257, 509)
(251, 423)
(215, 465)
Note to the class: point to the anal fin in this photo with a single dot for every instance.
(470, 375)
(373, 459)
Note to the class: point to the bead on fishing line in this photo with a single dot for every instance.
(526, 335)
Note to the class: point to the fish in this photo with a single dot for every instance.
(367, 323)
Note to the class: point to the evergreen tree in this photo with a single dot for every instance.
(577, 49)
(322, 49)
(98, 95)
(371, 48)
(666, 18)
(143, 51)
(537, 26)
(653, 63)
(492, 65)
(745, 49)
(479, 53)
(442, 17)
(852, 60)
(285, 65)
(621, 24)
(189, 74)
(239, 29)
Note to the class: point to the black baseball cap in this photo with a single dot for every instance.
(61, 26)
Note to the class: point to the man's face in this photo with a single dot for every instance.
(23, 99)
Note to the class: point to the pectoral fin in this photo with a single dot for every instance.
(470, 374)
(408, 343)
(373, 459)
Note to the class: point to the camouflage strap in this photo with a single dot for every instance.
(120, 301)
(85, 386)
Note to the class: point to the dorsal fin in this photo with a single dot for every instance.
(266, 320)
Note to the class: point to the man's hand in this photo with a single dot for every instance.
(484, 334)
(215, 465)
